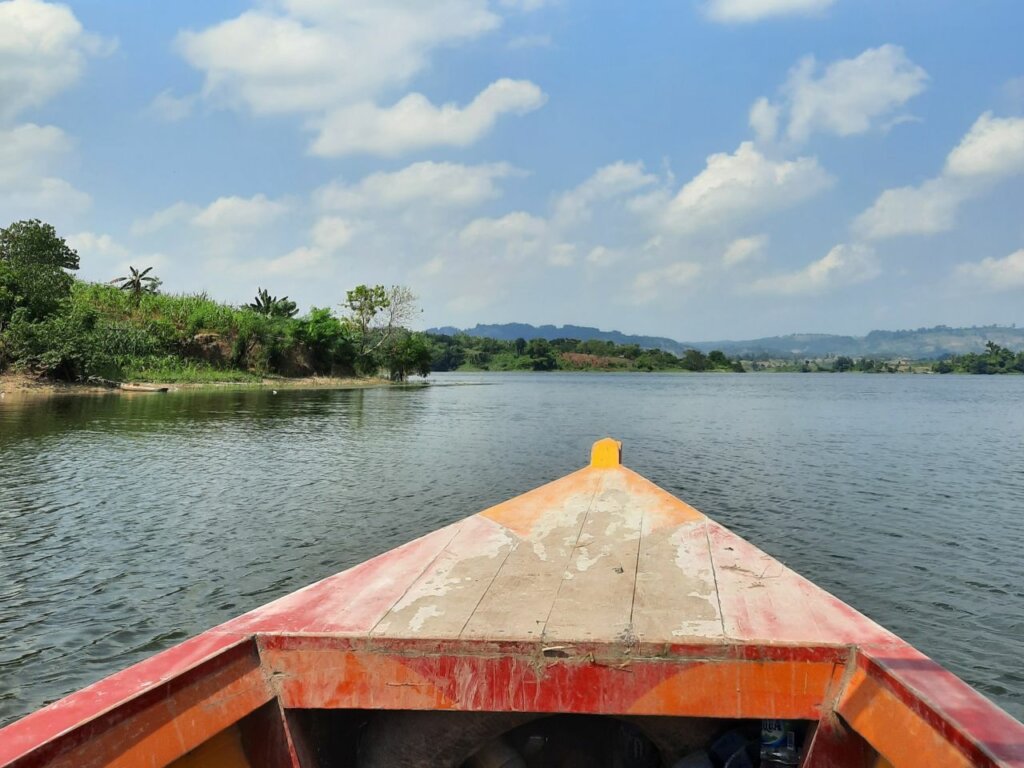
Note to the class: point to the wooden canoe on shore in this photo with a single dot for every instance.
(593, 610)
(142, 388)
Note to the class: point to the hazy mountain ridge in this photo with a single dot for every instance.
(917, 344)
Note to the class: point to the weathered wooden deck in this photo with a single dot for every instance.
(597, 593)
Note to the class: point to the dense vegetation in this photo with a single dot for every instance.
(52, 324)
(995, 359)
(464, 352)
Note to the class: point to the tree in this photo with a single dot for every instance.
(843, 364)
(378, 313)
(35, 266)
(271, 306)
(694, 360)
(408, 353)
(138, 283)
(542, 357)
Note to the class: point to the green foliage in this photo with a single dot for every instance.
(35, 266)
(331, 342)
(271, 306)
(464, 352)
(138, 283)
(995, 359)
(57, 326)
(408, 354)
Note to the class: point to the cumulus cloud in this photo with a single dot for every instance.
(922, 210)
(331, 233)
(445, 185)
(43, 49)
(414, 122)
(173, 214)
(239, 212)
(851, 96)
(1004, 274)
(331, 63)
(740, 186)
(844, 265)
(606, 183)
(310, 55)
(513, 235)
(170, 108)
(740, 11)
(994, 148)
(991, 151)
(28, 155)
(744, 249)
(652, 283)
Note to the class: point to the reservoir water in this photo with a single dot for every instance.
(128, 523)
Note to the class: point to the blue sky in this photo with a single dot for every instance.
(699, 169)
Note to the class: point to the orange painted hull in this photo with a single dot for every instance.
(598, 594)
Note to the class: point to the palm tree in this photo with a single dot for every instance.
(271, 306)
(138, 283)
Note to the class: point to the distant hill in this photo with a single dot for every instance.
(919, 344)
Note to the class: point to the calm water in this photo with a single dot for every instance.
(129, 523)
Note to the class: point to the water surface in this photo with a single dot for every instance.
(128, 523)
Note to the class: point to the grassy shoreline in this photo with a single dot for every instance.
(23, 385)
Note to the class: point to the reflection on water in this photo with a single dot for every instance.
(128, 523)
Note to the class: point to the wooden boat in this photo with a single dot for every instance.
(141, 387)
(596, 602)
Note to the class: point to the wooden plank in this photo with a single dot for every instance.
(440, 602)
(594, 602)
(518, 601)
(764, 601)
(676, 596)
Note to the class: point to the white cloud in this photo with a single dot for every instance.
(43, 48)
(447, 185)
(526, 42)
(28, 154)
(173, 214)
(764, 120)
(844, 265)
(170, 108)
(332, 62)
(740, 186)
(238, 213)
(995, 274)
(994, 147)
(303, 260)
(650, 284)
(744, 249)
(29, 150)
(414, 122)
(851, 96)
(90, 244)
(525, 5)
(611, 181)
(513, 235)
(922, 210)
(308, 56)
(738, 11)
(992, 150)
(331, 233)
(602, 256)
